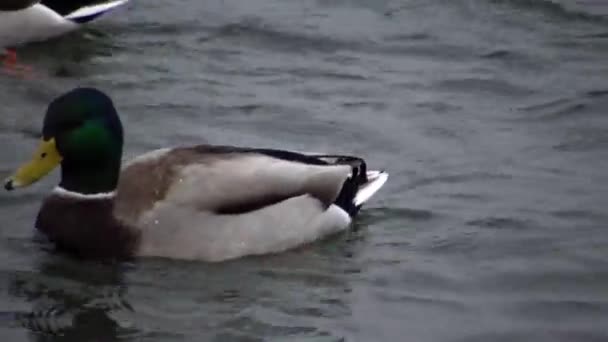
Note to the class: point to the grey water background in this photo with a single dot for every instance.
(490, 115)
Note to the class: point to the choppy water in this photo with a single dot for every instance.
(490, 115)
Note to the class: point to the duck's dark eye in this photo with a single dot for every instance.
(43, 155)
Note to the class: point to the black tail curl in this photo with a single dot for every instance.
(358, 177)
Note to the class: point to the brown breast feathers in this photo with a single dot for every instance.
(86, 227)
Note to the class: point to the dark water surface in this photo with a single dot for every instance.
(490, 115)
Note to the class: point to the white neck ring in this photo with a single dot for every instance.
(72, 194)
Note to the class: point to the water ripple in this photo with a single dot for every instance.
(554, 9)
(499, 223)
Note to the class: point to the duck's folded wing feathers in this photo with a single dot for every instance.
(237, 183)
(225, 181)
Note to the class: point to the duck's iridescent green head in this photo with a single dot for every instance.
(83, 133)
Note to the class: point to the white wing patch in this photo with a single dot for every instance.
(95, 9)
(376, 180)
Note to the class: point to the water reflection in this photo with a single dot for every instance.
(72, 301)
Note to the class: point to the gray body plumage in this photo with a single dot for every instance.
(211, 203)
(26, 21)
(190, 188)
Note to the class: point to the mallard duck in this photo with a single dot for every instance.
(204, 202)
(25, 21)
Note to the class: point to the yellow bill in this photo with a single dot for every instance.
(44, 161)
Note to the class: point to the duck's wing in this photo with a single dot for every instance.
(16, 5)
(228, 180)
(218, 202)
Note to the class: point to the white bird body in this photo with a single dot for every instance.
(32, 24)
(39, 22)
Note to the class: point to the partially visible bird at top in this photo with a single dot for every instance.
(26, 21)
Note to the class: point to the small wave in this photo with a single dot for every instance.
(434, 50)
(545, 105)
(564, 108)
(494, 86)
(402, 8)
(319, 73)
(456, 178)
(439, 106)
(597, 93)
(426, 301)
(584, 140)
(256, 31)
(257, 327)
(516, 59)
(154, 28)
(566, 111)
(559, 309)
(601, 35)
(416, 36)
(373, 105)
(467, 197)
(580, 215)
(314, 278)
(400, 213)
(21, 199)
(425, 279)
(519, 334)
(554, 9)
(499, 223)
(501, 54)
(53, 321)
(566, 282)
